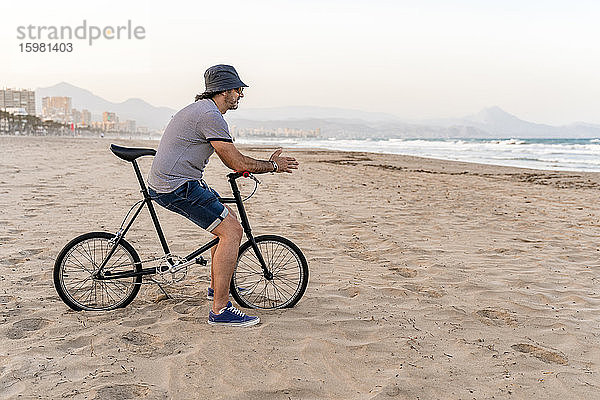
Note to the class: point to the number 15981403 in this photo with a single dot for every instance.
(46, 47)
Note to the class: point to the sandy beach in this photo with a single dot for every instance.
(429, 280)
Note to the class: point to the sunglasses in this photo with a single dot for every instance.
(239, 90)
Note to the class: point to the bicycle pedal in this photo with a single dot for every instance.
(201, 261)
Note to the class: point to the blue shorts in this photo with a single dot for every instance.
(196, 201)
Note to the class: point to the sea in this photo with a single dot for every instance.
(544, 154)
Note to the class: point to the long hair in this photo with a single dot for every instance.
(208, 95)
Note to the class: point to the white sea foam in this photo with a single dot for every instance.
(550, 154)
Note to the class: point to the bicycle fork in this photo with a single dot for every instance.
(247, 230)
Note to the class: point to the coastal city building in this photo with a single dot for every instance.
(75, 117)
(275, 132)
(109, 121)
(126, 126)
(109, 117)
(12, 98)
(86, 117)
(57, 109)
(81, 119)
(17, 104)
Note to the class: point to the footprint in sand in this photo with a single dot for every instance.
(137, 338)
(30, 252)
(142, 343)
(6, 299)
(266, 394)
(394, 292)
(404, 272)
(75, 344)
(350, 291)
(393, 391)
(140, 322)
(21, 328)
(426, 291)
(187, 307)
(496, 317)
(129, 391)
(362, 255)
(546, 356)
(12, 261)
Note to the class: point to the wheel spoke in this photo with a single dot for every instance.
(250, 269)
(87, 257)
(255, 261)
(112, 266)
(279, 255)
(74, 258)
(80, 287)
(284, 263)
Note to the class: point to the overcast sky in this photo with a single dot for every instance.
(415, 59)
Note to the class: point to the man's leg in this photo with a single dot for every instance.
(214, 248)
(212, 260)
(224, 258)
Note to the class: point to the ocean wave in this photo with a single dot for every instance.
(553, 154)
(509, 142)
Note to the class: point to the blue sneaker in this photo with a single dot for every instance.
(231, 316)
(210, 295)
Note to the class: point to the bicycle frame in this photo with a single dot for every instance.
(237, 199)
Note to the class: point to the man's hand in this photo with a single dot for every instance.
(284, 164)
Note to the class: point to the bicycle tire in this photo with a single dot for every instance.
(80, 258)
(284, 259)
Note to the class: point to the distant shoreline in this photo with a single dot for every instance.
(445, 164)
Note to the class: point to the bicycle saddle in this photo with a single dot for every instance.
(130, 153)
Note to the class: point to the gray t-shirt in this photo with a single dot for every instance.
(185, 147)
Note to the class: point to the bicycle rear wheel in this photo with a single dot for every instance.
(75, 267)
(249, 286)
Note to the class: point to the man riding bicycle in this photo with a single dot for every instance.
(175, 179)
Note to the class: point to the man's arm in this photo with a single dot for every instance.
(235, 160)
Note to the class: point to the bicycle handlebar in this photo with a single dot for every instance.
(235, 175)
(245, 174)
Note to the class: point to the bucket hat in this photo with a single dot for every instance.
(222, 77)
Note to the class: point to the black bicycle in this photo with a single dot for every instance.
(101, 271)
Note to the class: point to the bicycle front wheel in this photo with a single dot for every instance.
(284, 261)
(81, 258)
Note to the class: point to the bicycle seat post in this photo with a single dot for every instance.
(148, 201)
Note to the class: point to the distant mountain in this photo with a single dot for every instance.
(494, 115)
(502, 124)
(142, 112)
(306, 112)
(358, 129)
(492, 122)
